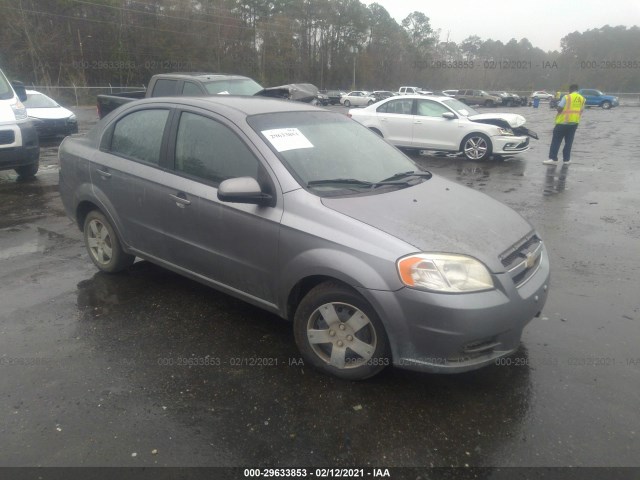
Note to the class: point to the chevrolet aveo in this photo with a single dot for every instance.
(315, 218)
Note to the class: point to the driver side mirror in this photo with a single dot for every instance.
(243, 190)
(449, 115)
(20, 90)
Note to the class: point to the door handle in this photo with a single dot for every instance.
(180, 199)
(103, 173)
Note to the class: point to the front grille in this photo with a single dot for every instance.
(7, 137)
(522, 260)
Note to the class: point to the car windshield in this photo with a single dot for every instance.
(331, 154)
(6, 91)
(235, 86)
(37, 100)
(459, 107)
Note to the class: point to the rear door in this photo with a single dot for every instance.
(127, 173)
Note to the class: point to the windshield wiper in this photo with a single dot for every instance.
(340, 181)
(392, 180)
(404, 175)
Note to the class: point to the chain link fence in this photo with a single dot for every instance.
(76, 95)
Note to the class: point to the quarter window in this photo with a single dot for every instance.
(209, 150)
(139, 135)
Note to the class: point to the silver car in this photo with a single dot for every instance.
(311, 216)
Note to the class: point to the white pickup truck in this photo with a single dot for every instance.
(413, 91)
(19, 146)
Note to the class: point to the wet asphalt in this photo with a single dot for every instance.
(147, 368)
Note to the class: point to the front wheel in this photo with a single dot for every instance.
(347, 103)
(606, 105)
(476, 146)
(103, 245)
(28, 171)
(339, 333)
(488, 103)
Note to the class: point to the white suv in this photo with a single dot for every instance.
(19, 147)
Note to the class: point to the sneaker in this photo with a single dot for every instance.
(550, 162)
(566, 162)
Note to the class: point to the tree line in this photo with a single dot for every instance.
(331, 43)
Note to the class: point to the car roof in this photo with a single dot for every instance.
(418, 96)
(244, 105)
(206, 76)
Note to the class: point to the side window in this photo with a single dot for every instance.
(165, 88)
(191, 89)
(139, 135)
(400, 107)
(427, 108)
(210, 151)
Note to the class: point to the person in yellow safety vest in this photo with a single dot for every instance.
(570, 109)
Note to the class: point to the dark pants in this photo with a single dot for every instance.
(560, 132)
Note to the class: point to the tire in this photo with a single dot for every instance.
(103, 244)
(347, 103)
(488, 103)
(476, 146)
(606, 105)
(337, 314)
(28, 171)
(370, 102)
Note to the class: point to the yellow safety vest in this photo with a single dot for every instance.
(573, 106)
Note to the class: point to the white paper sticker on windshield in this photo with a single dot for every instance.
(284, 139)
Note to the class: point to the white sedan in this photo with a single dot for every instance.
(358, 98)
(49, 118)
(445, 124)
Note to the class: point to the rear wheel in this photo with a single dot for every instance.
(370, 102)
(339, 333)
(103, 245)
(606, 105)
(476, 146)
(28, 171)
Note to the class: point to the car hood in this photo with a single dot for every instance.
(49, 113)
(513, 119)
(505, 120)
(301, 92)
(440, 216)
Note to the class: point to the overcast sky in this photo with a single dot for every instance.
(542, 22)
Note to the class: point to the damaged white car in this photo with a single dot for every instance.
(447, 125)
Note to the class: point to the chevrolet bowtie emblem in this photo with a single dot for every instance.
(530, 261)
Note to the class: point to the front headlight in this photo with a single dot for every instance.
(504, 131)
(19, 110)
(444, 273)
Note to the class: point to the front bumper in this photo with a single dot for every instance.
(48, 128)
(510, 144)
(452, 333)
(19, 145)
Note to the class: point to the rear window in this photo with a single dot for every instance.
(235, 86)
(165, 88)
(138, 136)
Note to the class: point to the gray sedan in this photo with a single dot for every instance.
(311, 216)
